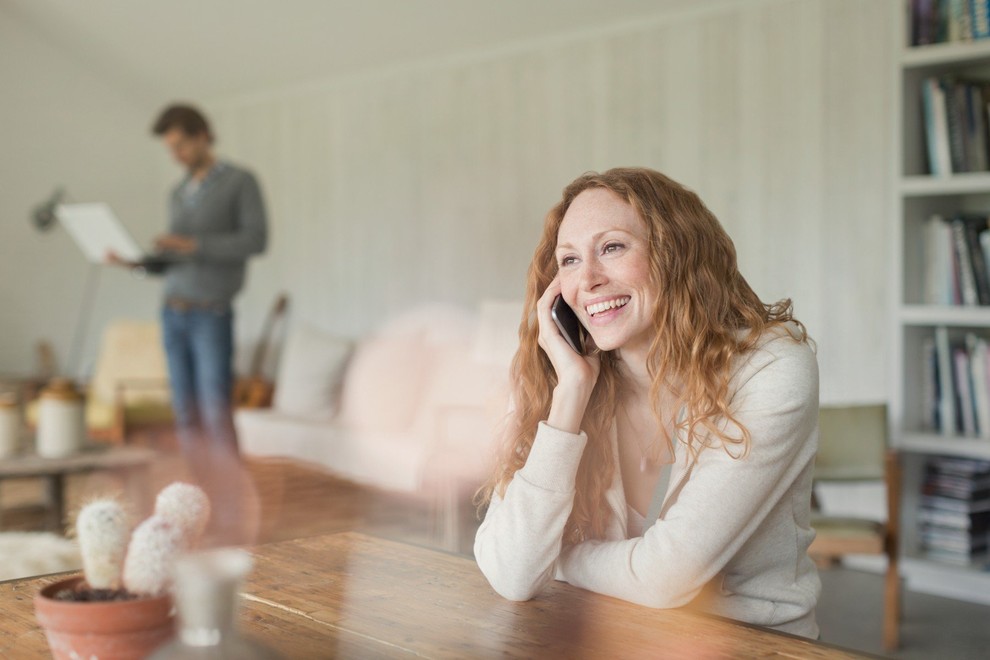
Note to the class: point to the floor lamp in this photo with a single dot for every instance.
(44, 218)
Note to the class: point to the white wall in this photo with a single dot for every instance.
(61, 124)
(430, 181)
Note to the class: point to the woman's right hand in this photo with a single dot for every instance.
(576, 374)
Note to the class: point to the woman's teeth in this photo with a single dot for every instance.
(598, 308)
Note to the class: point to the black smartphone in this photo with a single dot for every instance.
(568, 324)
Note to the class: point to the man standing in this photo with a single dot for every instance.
(216, 222)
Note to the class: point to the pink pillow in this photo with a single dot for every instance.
(385, 382)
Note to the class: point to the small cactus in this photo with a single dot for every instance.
(187, 506)
(181, 513)
(103, 529)
(154, 546)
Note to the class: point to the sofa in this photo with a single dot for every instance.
(413, 407)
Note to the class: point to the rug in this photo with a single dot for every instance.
(24, 554)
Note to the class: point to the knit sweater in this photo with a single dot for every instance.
(733, 533)
(227, 219)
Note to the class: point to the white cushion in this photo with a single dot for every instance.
(309, 371)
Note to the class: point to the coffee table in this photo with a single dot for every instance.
(128, 460)
(349, 595)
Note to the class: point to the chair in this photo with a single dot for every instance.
(852, 447)
(129, 388)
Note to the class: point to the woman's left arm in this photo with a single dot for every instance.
(725, 500)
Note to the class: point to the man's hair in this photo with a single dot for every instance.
(184, 117)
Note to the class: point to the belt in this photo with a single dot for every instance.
(186, 305)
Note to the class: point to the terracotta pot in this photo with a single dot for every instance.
(104, 630)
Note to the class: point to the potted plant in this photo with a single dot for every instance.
(122, 607)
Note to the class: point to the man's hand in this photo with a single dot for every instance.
(113, 259)
(176, 243)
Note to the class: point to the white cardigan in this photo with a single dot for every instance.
(733, 534)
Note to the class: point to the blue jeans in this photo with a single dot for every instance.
(199, 346)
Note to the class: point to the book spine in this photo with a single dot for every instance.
(936, 127)
(946, 400)
(955, 109)
(975, 228)
(978, 375)
(976, 153)
(934, 275)
(959, 28)
(964, 391)
(980, 18)
(929, 384)
(964, 264)
(942, 30)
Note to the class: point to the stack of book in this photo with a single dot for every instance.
(955, 113)
(956, 385)
(937, 21)
(956, 259)
(954, 513)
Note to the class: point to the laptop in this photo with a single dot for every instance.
(98, 232)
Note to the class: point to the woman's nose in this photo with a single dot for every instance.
(592, 275)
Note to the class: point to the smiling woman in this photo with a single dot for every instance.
(672, 463)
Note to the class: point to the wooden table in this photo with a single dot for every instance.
(348, 595)
(55, 470)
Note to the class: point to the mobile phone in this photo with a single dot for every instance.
(568, 324)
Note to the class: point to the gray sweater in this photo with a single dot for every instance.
(227, 219)
(733, 535)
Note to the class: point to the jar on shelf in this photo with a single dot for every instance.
(61, 422)
(10, 425)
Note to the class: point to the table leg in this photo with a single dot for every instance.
(55, 485)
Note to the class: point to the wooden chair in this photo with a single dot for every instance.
(129, 389)
(852, 447)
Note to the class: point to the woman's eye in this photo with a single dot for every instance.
(567, 261)
(612, 247)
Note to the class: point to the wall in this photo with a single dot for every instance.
(60, 124)
(430, 181)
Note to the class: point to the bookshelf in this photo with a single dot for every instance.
(918, 195)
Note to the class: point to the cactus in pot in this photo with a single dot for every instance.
(122, 570)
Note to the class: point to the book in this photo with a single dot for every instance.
(946, 400)
(960, 27)
(924, 22)
(969, 467)
(979, 355)
(936, 127)
(964, 392)
(978, 522)
(929, 384)
(964, 264)
(955, 123)
(980, 18)
(976, 129)
(938, 261)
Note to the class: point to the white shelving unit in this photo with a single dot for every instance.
(917, 195)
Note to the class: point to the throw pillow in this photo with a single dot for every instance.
(310, 371)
